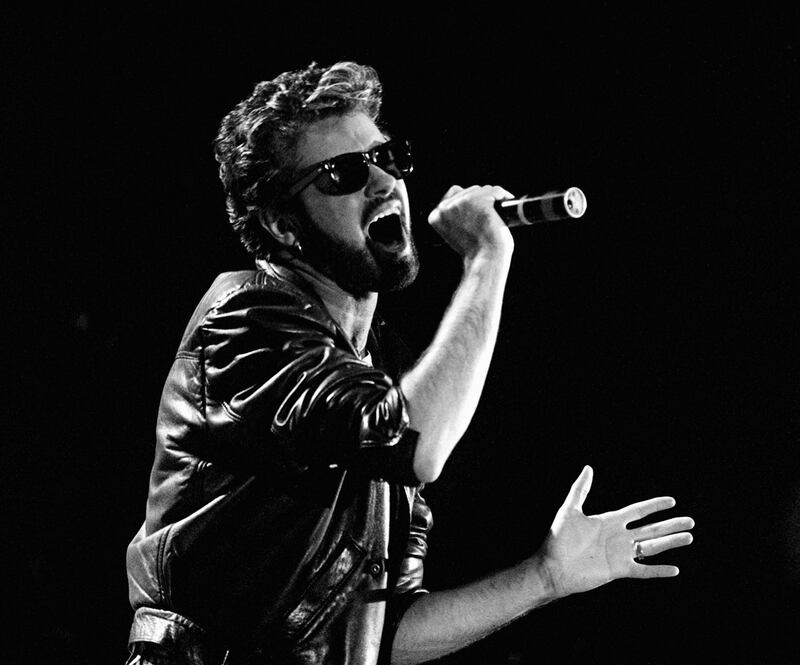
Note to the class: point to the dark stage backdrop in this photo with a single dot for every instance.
(654, 339)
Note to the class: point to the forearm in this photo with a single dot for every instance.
(443, 622)
(444, 387)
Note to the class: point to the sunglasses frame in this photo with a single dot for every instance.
(368, 157)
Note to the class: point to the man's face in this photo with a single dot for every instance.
(362, 241)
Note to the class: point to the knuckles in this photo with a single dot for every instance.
(472, 202)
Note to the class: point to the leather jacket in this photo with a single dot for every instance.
(284, 523)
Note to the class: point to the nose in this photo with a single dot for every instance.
(380, 182)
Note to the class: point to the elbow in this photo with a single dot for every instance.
(427, 469)
(431, 455)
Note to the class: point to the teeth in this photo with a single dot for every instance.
(393, 210)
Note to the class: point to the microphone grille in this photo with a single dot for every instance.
(575, 202)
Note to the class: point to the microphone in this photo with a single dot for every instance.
(549, 207)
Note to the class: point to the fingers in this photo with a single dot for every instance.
(658, 545)
(637, 511)
(654, 546)
(664, 528)
(452, 199)
(496, 192)
(500, 193)
(580, 489)
(467, 221)
(647, 572)
(450, 193)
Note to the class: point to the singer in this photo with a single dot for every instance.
(285, 521)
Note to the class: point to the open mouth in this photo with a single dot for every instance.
(386, 230)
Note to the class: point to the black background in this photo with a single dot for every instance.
(653, 339)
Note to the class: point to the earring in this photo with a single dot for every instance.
(298, 249)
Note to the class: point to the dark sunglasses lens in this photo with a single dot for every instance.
(394, 157)
(347, 174)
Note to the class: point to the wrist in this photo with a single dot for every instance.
(489, 258)
(549, 577)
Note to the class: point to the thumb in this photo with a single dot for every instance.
(580, 489)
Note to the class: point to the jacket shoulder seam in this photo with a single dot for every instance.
(259, 282)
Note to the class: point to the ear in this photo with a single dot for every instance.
(279, 227)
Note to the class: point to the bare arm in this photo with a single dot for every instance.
(579, 554)
(444, 387)
(442, 622)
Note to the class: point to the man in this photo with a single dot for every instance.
(284, 520)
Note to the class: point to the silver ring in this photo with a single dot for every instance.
(638, 554)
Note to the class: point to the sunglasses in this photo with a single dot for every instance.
(347, 173)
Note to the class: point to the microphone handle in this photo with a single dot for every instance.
(550, 207)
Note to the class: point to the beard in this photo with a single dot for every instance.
(359, 270)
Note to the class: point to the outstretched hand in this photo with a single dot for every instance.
(582, 552)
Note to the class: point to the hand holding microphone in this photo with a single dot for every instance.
(514, 211)
(467, 221)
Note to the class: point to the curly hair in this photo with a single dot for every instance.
(255, 145)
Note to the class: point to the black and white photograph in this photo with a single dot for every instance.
(358, 335)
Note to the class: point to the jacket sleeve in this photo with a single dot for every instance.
(280, 382)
